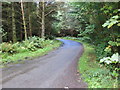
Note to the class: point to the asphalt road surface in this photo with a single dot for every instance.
(57, 69)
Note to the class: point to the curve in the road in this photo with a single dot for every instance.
(56, 70)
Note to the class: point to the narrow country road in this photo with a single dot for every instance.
(57, 69)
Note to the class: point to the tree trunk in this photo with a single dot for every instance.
(30, 27)
(13, 24)
(43, 20)
(39, 18)
(23, 17)
(0, 23)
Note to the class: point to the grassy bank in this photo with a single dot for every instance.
(92, 72)
(24, 53)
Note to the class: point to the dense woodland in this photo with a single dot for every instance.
(21, 20)
(94, 23)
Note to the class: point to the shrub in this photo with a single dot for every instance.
(112, 59)
(8, 48)
(112, 63)
(28, 45)
(32, 44)
(37, 42)
(46, 43)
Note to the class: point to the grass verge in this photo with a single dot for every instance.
(28, 55)
(92, 72)
(96, 75)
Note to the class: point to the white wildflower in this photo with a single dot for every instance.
(115, 57)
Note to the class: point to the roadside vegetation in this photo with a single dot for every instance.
(95, 24)
(28, 49)
(95, 73)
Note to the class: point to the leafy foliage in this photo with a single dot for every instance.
(92, 72)
(32, 44)
(95, 23)
(86, 34)
(2, 31)
(113, 59)
(113, 20)
(113, 63)
(32, 47)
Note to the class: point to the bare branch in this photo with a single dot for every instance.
(49, 12)
(19, 22)
(39, 16)
(39, 22)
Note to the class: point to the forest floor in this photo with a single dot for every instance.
(58, 69)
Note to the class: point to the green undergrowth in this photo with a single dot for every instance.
(33, 49)
(92, 72)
